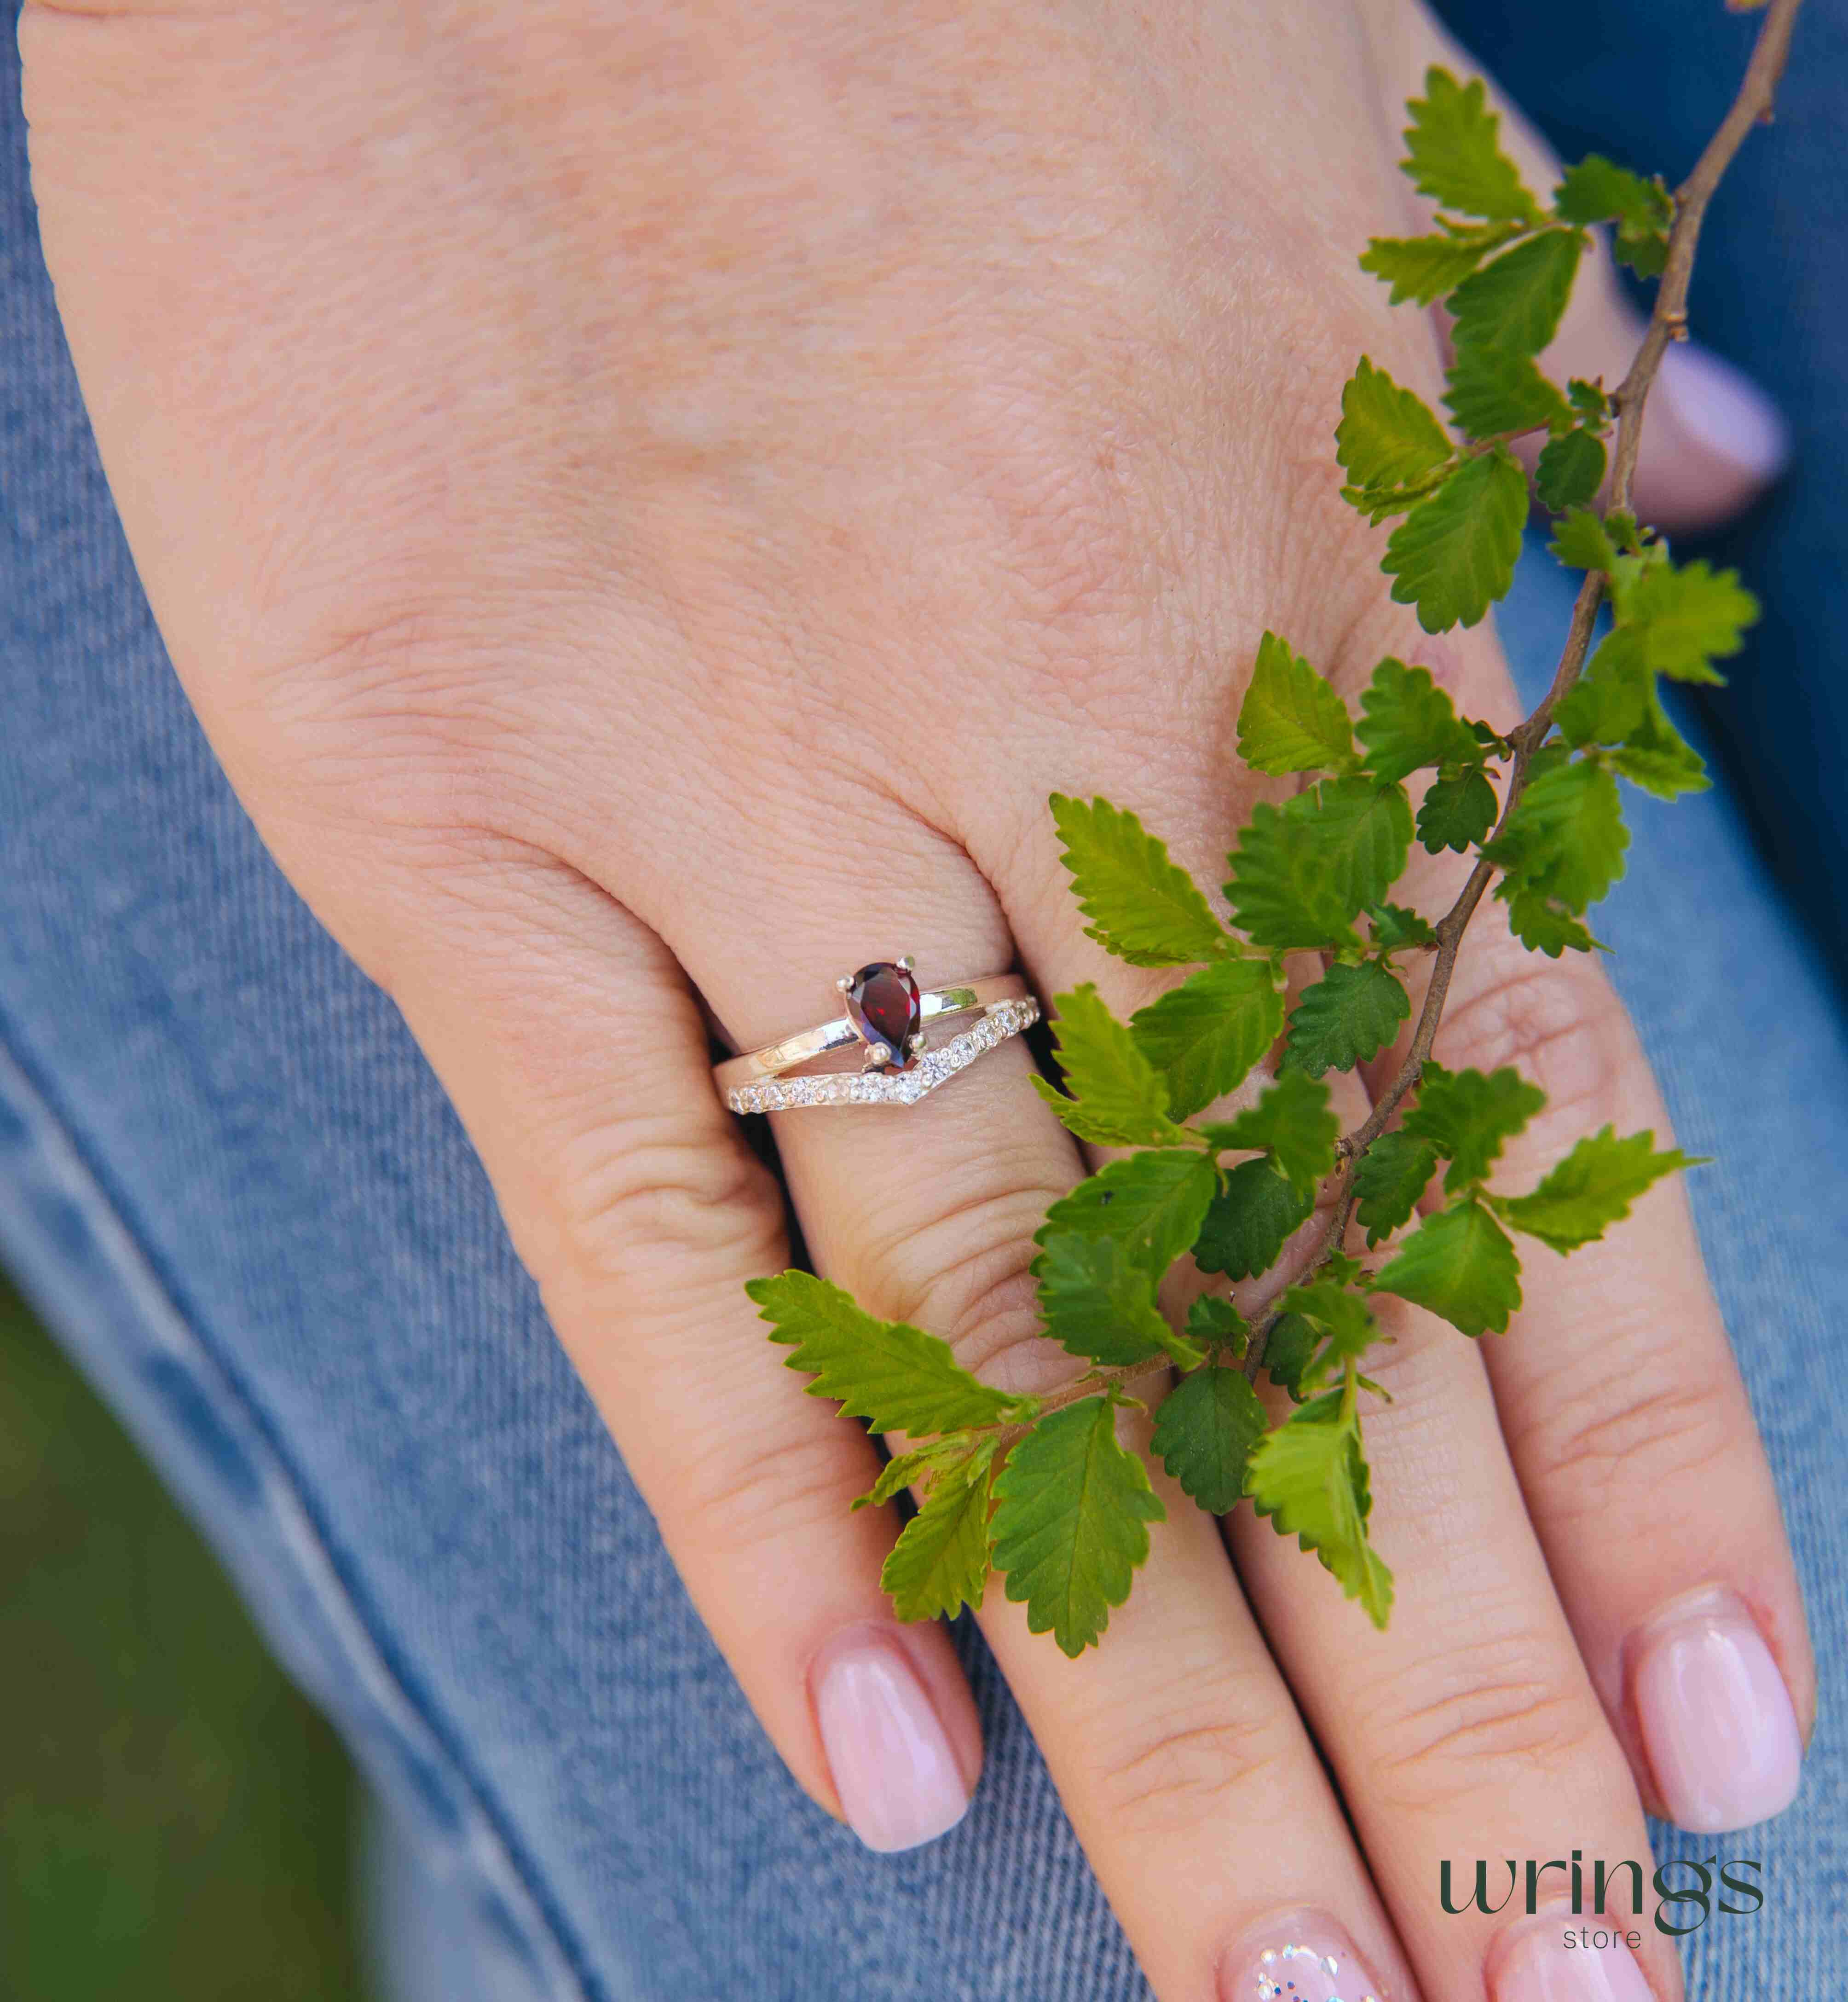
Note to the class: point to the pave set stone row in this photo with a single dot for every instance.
(897, 1088)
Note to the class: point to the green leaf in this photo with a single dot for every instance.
(1689, 617)
(1342, 1320)
(1388, 437)
(1295, 1123)
(1141, 907)
(1213, 1321)
(1287, 1353)
(1657, 757)
(1360, 833)
(1309, 1475)
(1610, 698)
(1589, 403)
(904, 1469)
(1470, 1117)
(1291, 720)
(1340, 1267)
(1389, 1178)
(1151, 1203)
(1073, 1523)
(1304, 872)
(1570, 470)
(1423, 268)
(1593, 1187)
(1455, 157)
(1514, 303)
(940, 1561)
(1099, 1304)
(1346, 1018)
(1281, 894)
(1598, 191)
(1543, 926)
(1204, 1035)
(1203, 1433)
(1118, 1099)
(1622, 526)
(1645, 253)
(1491, 390)
(1249, 1220)
(1581, 540)
(1455, 554)
(1565, 839)
(1457, 813)
(1460, 1264)
(1408, 722)
(894, 1376)
(1397, 930)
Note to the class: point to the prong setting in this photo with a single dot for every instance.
(886, 1010)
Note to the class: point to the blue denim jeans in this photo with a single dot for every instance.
(232, 1184)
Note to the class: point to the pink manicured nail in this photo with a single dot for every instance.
(1715, 1716)
(1723, 410)
(892, 1763)
(1301, 1956)
(1534, 1964)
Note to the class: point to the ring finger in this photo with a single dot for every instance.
(1176, 1742)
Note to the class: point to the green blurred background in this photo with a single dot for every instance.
(175, 1820)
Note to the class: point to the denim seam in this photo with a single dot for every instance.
(156, 1304)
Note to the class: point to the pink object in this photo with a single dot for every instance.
(1716, 1717)
(1301, 1956)
(1536, 1965)
(891, 1759)
(1723, 410)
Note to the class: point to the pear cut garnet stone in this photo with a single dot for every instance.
(884, 1005)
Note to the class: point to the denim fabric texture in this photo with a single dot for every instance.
(232, 1184)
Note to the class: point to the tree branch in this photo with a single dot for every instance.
(1668, 322)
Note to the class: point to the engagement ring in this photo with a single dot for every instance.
(887, 1014)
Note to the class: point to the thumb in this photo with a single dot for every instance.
(1713, 439)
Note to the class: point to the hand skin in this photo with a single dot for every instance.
(647, 501)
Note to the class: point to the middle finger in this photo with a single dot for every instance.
(1471, 1723)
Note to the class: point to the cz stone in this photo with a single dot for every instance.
(884, 1005)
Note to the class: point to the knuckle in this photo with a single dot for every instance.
(1632, 1429)
(400, 717)
(964, 1271)
(1563, 1028)
(735, 1495)
(647, 1201)
(1189, 1763)
(1489, 1715)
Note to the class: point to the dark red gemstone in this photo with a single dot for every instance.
(884, 1005)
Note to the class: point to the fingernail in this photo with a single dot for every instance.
(1301, 1956)
(1532, 1963)
(892, 1763)
(1716, 1718)
(1723, 410)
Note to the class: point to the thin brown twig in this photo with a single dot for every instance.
(1757, 90)
(1668, 322)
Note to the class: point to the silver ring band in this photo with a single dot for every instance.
(900, 1067)
(999, 1020)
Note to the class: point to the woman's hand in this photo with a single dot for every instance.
(648, 500)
